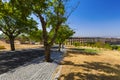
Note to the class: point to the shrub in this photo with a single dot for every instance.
(76, 44)
(108, 46)
(119, 48)
(114, 47)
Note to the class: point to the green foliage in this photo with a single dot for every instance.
(13, 21)
(51, 14)
(76, 44)
(98, 45)
(36, 35)
(86, 51)
(64, 33)
(114, 47)
(119, 48)
(91, 51)
(107, 46)
(23, 38)
(1, 36)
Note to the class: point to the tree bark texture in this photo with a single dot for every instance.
(47, 53)
(59, 49)
(12, 43)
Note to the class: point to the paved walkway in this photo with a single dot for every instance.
(35, 70)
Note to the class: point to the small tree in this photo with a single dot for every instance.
(63, 33)
(13, 22)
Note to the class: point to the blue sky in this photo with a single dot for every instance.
(96, 18)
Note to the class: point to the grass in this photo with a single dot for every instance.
(91, 51)
(104, 66)
(84, 51)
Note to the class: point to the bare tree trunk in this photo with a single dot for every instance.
(12, 43)
(59, 47)
(47, 53)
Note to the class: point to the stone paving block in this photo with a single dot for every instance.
(34, 70)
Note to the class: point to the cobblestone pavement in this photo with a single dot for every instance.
(35, 70)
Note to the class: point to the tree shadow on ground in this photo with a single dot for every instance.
(11, 60)
(105, 71)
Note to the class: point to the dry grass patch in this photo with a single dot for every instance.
(105, 66)
(2, 47)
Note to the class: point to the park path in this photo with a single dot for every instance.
(35, 70)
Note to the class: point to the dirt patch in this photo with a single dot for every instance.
(105, 66)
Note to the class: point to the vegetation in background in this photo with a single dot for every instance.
(63, 33)
(98, 45)
(23, 38)
(36, 35)
(84, 51)
(76, 44)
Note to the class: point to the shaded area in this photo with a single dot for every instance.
(82, 51)
(11, 60)
(104, 71)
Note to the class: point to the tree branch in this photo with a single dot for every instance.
(45, 36)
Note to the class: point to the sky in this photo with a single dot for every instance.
(96, 18)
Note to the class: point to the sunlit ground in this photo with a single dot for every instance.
(104, 65)
(18, 46)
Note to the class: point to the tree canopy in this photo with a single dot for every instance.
(63, 33)
(13, 22)
(15, 17)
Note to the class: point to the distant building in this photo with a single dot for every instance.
(71, 40)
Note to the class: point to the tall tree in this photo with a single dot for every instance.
(63, 33)
(13, 22)
(51, 14)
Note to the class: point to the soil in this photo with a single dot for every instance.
(103, 66)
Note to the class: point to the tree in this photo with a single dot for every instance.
(13, 22)
(36, 35)
(63, 33)
(23, 38)
(51, 14)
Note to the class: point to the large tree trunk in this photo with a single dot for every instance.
(12, 43)
(47, 53)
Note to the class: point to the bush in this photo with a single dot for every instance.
(2, 47)
(76, 44)
(119, 48)
(114, 47)
(108, 46)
